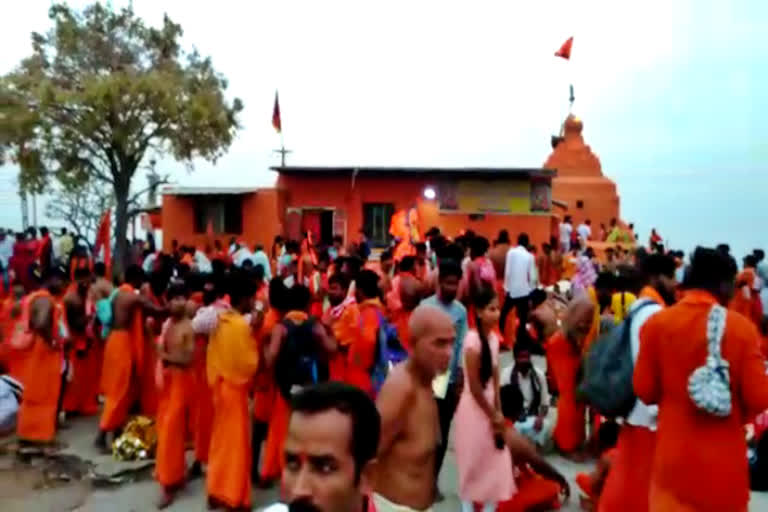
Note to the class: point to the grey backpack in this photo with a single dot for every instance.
(607, 370)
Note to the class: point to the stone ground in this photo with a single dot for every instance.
(28, 488)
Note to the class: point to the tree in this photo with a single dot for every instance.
(100, 93)
(81, 207)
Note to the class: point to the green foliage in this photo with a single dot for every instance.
(100, 92)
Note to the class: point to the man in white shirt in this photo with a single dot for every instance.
(566, 228)
(637, 437)
(518, 284)
(585, 230)
(260, 258)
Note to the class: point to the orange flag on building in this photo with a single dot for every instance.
(103, 238)
(276, 116)
(565, 50)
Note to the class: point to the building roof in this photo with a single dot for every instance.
(485, 172)
(205, 191)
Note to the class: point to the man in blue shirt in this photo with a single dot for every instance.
(449, 276)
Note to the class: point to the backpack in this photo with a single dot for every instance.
(607, 369)
(300, 362)
(389, 352)
(104, 313)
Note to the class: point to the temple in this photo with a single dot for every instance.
(343, 201)
(580, 184)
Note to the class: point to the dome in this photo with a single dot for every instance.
(573, 124)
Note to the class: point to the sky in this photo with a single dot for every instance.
(672, 94)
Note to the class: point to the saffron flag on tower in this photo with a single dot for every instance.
(565, 50)
(103, 239)
(276, 116)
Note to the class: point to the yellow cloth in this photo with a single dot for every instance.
(232, 351)
(619, 312)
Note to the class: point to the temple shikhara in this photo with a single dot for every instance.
(342, 201)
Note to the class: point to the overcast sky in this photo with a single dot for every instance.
(673, 94)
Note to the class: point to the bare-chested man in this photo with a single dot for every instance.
(176, 349)
(543, 316)
(102, 286)
(82, 392)
(498, 253)
(124, 353)
(410, 431)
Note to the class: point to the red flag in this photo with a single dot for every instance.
(209, 229)
(276, 116)
(565, 50)
(103, 238)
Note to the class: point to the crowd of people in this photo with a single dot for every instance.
(341, 375)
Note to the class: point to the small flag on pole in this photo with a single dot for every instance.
(565, 50)
(276, 116)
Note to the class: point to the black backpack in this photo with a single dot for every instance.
(301, 361)
(607, 369)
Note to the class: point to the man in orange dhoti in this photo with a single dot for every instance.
(682, 478)
(43, 375)
(10, 314)
(539, 484)
(176, 383)
(564, 351)
(124, 353)
(233, 360)
(297, 321)
(628, 483)
(203, 323)
(746, 299)
(362, 352)
(82, 393)
(342, 320)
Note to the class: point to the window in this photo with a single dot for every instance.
(225, 213)
(376, 219)
(580, 204)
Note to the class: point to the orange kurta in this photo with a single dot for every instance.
(746, 300)
(175, 407)
(363, 351)
(564, 360)
(681, 468)
(345, 327)
(42, 385)
(82, 393)
(232, 362)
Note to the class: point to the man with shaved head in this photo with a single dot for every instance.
(564, 358)
(410, 429)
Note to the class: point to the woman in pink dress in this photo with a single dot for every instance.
(483, 460)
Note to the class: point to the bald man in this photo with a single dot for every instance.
(410, 430)
(564, 359)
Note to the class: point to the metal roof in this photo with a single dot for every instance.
(451, 171)
(206, 191)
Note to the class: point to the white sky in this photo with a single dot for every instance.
(668, 91)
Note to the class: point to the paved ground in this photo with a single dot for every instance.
(22, 487)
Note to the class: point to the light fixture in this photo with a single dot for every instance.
(429, 193)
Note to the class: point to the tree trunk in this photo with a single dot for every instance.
(121, 227)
